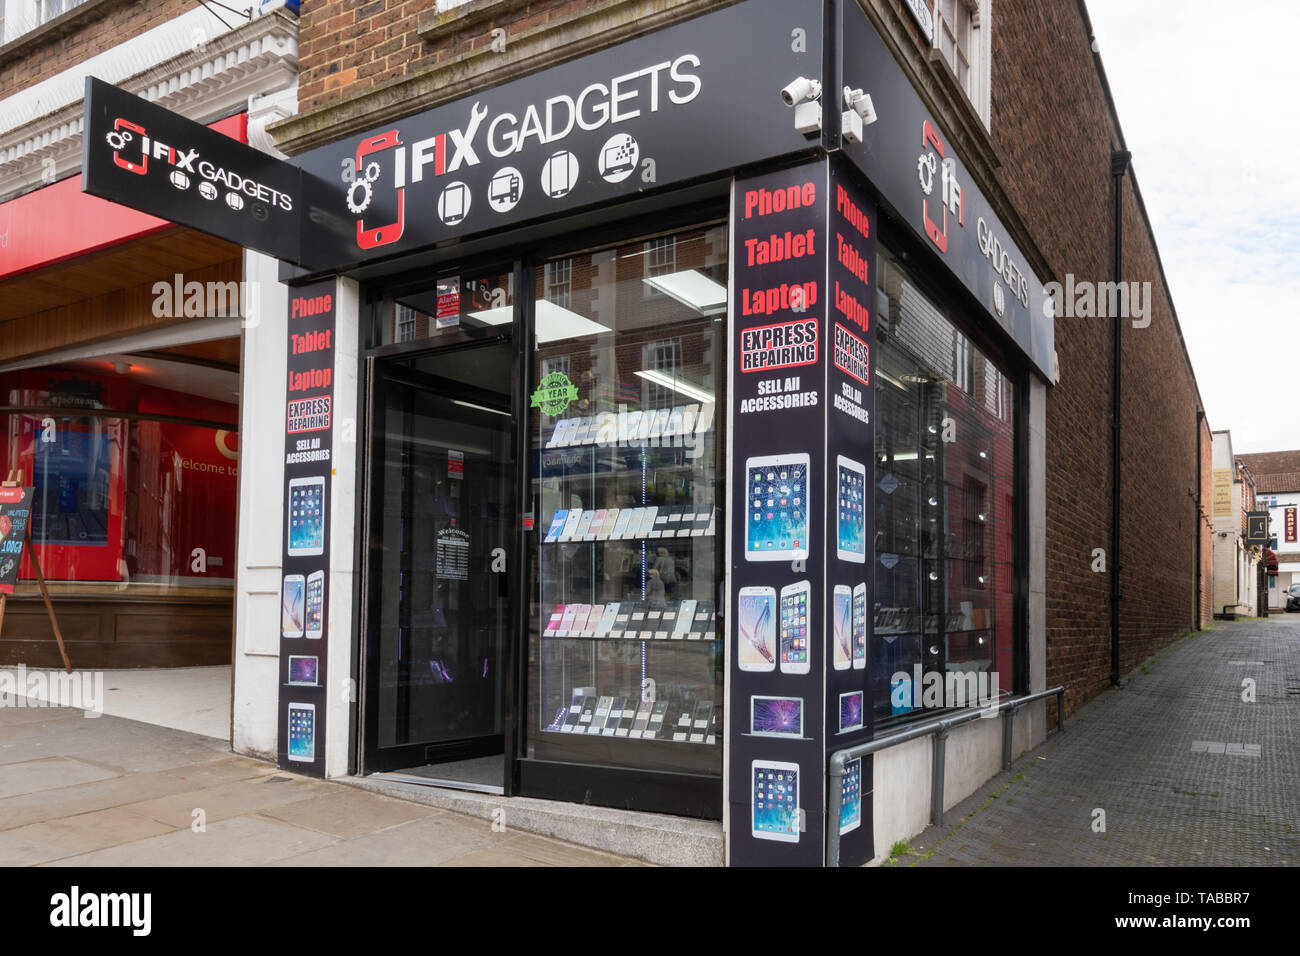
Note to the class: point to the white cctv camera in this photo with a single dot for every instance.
(860, 113)
(800, 90)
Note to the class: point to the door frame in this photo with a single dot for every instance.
(371, 758)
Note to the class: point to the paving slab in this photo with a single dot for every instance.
(115, 792)
(1176, 767)
(242, 841)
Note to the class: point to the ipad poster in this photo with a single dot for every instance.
(305, 587)
(849, 480)
(777, 655)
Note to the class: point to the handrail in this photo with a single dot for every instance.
(939, 728)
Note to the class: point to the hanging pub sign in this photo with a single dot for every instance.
(152, 159)
(1257, 527)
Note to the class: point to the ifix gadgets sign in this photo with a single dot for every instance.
(502, 135)
(149, 158)
(631, 118)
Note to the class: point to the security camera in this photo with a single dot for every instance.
(858, 114)
(800, 90)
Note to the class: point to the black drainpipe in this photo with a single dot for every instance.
(1200, 419)
(1119, 161)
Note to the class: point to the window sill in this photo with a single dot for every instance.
(62, 25)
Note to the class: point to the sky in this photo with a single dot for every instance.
(1207, 95)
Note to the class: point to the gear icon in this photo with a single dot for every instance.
(372, 172)
(118, 138)
(925, 169)
(358, 206)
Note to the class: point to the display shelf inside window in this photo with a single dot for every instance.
(628, 544)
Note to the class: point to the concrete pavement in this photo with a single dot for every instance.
(1176, 768)
(106, 791)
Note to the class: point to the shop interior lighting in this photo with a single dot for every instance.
(554, 322)
(481, 408)
(656, 377)
(693, 289)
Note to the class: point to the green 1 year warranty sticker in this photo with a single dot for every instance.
(554, 393)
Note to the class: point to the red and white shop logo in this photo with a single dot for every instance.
(120, 136)
(445, 153)
(930, 162)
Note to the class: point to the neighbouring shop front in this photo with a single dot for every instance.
(690, 435)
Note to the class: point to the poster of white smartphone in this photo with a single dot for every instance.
(841, 631)
(851, 510)
(778, 502)
(796, 656)
(860, 627)
(306, 516)
(756, 629)
(315, 605)
(776, 800)
(292, 605)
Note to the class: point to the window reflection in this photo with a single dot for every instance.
(944, 518)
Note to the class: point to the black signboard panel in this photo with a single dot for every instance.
(308, 470)
(907, 156)
(144, 156)
(1257, 527)
(777, 654)
(15, 514)
(850, 515)
(691, 100)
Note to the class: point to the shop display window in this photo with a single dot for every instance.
(135, 485)
(944, 504)
(625, 662)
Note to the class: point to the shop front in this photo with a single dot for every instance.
(657, 425)
(684, 460)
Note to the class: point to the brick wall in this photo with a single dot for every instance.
(347, 47)
(106, 25)
(1052, 126)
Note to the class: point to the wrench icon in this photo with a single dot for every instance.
(463, 142)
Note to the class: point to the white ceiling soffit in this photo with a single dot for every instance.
(192, 65)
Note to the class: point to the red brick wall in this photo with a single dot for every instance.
(347, 47)
(1053, 128)
(119, 22)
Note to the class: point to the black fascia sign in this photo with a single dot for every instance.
(149, 158)
(692, 100)
(911, 161)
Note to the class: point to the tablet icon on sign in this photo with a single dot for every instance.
(453, 204)
(560, 174)
(618, 158)
(505, 189)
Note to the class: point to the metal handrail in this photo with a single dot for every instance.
(940, 729)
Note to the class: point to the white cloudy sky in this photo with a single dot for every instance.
(1207, 94)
